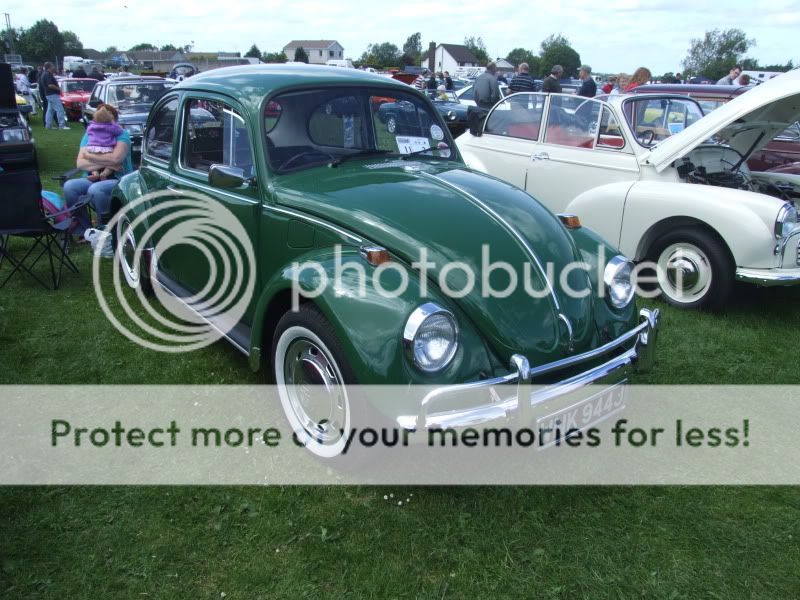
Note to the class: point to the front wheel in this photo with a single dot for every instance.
(312, 373)
(693, 269)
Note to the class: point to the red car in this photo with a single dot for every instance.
(781, 155)
(74, 94)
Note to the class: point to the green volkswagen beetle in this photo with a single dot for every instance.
(377, 257)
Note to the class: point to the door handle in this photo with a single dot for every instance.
(540, 156)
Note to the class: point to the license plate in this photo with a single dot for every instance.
(582, 415)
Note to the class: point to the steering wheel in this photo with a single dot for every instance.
(296, 157)
(647, 137)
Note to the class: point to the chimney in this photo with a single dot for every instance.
(432, 56)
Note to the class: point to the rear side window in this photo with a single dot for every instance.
(158, 139)
(215, 134)
(519, 116)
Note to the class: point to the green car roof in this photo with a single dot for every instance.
(251, 83)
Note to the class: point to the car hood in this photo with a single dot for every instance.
(454, 212)
(746, 123)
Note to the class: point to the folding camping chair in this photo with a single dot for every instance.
(21, 215)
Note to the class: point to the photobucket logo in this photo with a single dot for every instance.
(347, 275)
(211, 253)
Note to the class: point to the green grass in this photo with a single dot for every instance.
(276, 542)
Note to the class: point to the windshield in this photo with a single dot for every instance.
(135, 96)
(324, 126)
(77, 86)
(655, 119)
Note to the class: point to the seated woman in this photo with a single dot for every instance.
(99, 192)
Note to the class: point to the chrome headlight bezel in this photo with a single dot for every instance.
(786, 221)
(421, 318)
(620, 290)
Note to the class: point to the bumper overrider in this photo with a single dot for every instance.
(633, 350)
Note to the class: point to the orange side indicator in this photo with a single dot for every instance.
(375, 255)
(570, 221)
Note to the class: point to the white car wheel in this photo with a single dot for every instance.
(312, 390)
(391, 125)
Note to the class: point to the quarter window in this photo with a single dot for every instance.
(215, 134)
(158, 139)
(610, 132)
(519, 116)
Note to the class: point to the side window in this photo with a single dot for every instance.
(572, 121)
(339, 122)
(469, 94)
(95, 97)
(158, 139)
(215, 134)
(610, 135)
(519, 117)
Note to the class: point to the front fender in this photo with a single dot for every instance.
(369, 323)
(601, 209)
(744, 220)
(128, 190)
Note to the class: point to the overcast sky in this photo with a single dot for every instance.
(610, 35)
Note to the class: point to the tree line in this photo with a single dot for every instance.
(711, 56)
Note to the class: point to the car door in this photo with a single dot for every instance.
(510, 137)
(214, 133)
(582, 148)
(154, 175)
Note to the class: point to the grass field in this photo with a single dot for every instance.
(251, 542)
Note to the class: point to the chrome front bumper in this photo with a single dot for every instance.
(640, 355)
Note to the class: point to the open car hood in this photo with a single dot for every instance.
(746, 123)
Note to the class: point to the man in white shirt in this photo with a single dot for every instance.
(732, 76)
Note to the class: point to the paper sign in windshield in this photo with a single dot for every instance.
(408, 144)
(675, 128)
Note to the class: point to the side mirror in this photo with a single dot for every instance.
(222, 176)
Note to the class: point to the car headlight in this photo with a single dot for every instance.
(430, 337)
(134, 128)
(617, 278)
(786, 221)
(14, 134)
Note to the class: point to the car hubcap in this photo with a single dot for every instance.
(315, 391)
(128, 252)
(684, 272)
(391, 125)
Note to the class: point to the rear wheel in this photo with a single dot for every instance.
(694, 269)
(135, 271)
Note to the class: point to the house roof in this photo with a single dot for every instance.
(460, 54)
(310, 44)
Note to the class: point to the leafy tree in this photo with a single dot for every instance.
(520, 55)
(478, 48)
(10, 40)
(274, 57)
(254, 52)
(42, 42)
(668, 77)
(381, 55)
(72, 45)
(143, 47)
(412, 49)
(168, 48)
(556, 50)
(715, 54)
(300, 55)
(111, 50)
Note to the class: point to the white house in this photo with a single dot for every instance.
(319, 51)
(449, 57)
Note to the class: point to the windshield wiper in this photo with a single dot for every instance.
(417, 152)
(337, 161)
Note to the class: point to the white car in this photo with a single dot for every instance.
(665, 184)
(466, 95)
